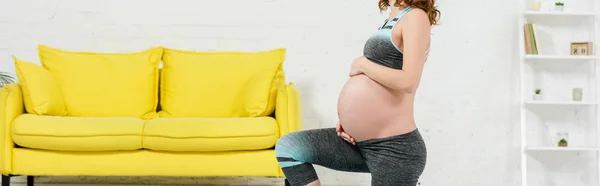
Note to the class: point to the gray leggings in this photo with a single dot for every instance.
(392, 161)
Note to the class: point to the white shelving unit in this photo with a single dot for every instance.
(529, 102)
(551, 55)
(553, 13)
(565, 58)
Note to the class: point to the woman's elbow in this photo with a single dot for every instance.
(409, 88)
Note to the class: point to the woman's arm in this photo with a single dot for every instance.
(416, 36)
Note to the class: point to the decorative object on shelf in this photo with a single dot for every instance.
(538, 94)
(6, 79)
(582, 48)
(559, 6)
(563, 143)
(562, 139)
(535, 5)
(531, 42)
(577, 94)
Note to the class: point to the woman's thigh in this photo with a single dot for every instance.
(319, 147)
(398, 160)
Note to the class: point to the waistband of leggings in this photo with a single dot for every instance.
(412, 136)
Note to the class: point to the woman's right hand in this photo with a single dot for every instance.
(341, 133)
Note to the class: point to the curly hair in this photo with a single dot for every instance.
(427, 5)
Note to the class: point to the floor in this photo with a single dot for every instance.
(148, 181)
(62, 184)
(23, 184)
(71, 184)
(161, 181)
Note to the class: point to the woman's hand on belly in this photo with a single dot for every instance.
(355, 68)
(340, 132)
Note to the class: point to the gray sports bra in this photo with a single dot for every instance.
(380, 47)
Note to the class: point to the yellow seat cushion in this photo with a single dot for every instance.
(77, 133)
(106, 84)
(41, 93)
(220, 84)
(210, 134)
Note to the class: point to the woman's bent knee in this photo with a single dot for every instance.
(284, 145)
(291, 149)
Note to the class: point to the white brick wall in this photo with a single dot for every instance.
(466, 105)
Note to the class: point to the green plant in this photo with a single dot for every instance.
(6, 79)
(559, 3)
(562, 143)
(538, 91)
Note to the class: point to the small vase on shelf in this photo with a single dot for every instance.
(538, 95)
(559, 6)
(562, 139)
(563, 143)
(577, 94)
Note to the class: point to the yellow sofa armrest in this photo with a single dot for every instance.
(11, 106)
(288, 109)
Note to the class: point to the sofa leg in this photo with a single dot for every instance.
(287, 183)
(5, 180)
(30, 180)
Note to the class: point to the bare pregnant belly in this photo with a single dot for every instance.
(367, 109)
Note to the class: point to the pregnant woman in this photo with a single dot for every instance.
(376, 132)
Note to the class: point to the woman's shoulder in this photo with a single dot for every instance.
(416, 15)
(416, 12)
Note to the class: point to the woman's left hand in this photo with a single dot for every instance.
(356, 67)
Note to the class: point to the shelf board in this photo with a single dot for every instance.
(560, 57)
(533, 102)
(552, 13)
(561, 148)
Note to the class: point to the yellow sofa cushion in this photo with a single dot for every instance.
(220, 84)
(210, 134)
(106, 84)
(41, 93)
(259, 163)
(77, 133)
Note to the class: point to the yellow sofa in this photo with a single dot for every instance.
(120, 114)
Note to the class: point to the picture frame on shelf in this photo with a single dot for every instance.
(582, 48)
